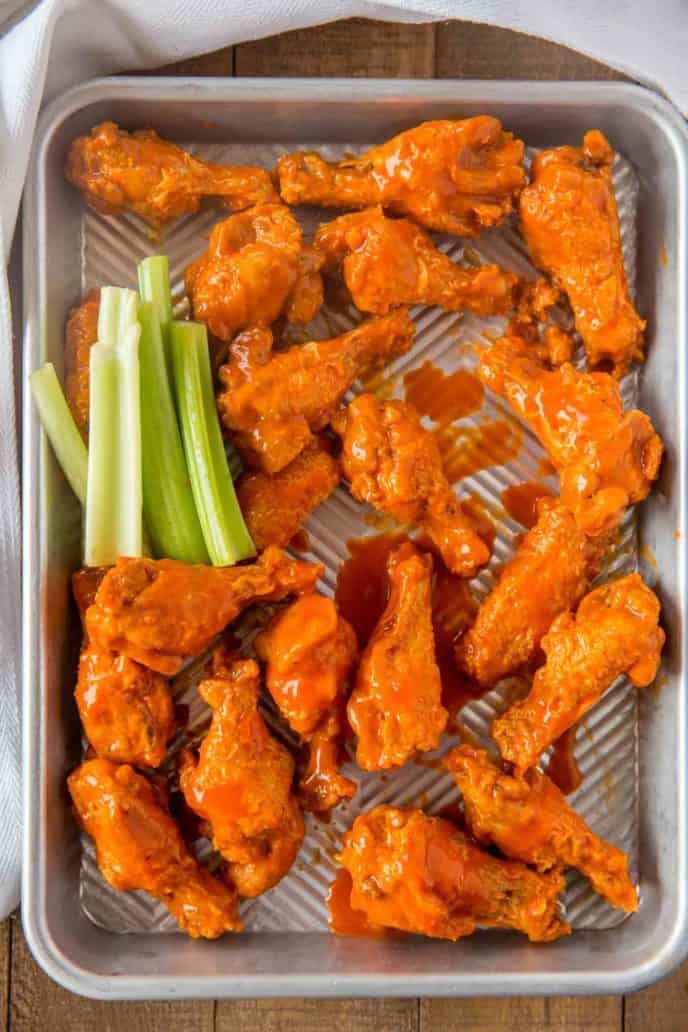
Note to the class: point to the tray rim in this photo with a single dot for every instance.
(51, 958)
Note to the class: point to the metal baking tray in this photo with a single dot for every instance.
(634, 749)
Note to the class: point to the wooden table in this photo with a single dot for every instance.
(29, 1001)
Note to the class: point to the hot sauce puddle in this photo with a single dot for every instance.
(520, 501)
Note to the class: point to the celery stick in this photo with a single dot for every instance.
(226, 536)
(113, 494)
(60, 428)
(168, 501)
(154, 286)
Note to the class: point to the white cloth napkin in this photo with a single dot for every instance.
(48, 45)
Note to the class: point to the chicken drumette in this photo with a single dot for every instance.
(256, 267)
(139, 846)
(393, 462)
(310, 651)
(421, 874)
(528, 819)
(240, 783)
(607, 458)
(388, 262)
(276, 506)
(81, 333)
(615, 631)
(160, 612)
(452, 176)
(395, 707)
(274, 403)
(550, 572)
(118, 171)
(571, 225)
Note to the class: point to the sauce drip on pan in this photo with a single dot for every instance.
(519, 500)
(444, 397)
(344, 920)
(467, 449)
(476, 509)
(563, 769)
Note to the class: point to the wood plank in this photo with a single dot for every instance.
(662, 1007)
(219, 62)
(466, 50)
(5, 951)
(37, 1004)
(317, 1015)
(356, 47)
(523, 1014)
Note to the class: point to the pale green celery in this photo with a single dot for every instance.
(226, 536)
(60, 428)
(168, 501)
(154, 286)
(113, 524)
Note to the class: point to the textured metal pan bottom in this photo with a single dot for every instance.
(607, 741)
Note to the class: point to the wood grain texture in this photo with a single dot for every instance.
(317, 1016)
(662, 1007)
(523, 1014)
(5, 960)
(220, 62)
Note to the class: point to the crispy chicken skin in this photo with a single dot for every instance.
(275, 402)
(81, 333)
(118, 171)
(255, 269)
(550, 572)
(310, 650)
(388, 262)
(393, 462)
(615, 631)
(607, 458)
(139, 846)
(571, 226)
(421, 874)
(276, 506)
(529, 819)
(395, 707)
(456, 177)
(160, 611)
(240, 783)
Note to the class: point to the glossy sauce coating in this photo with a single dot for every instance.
(81, 333)
(520, 501)
(343, 919)
(443, 397)
(563, 768)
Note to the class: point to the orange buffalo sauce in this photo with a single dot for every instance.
(563, 769)
(362, 587)
(478, 513)
(467, 449)
(520, 500)
(344, 920)
(443, 397)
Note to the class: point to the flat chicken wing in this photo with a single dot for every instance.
(607, 458)
(310, 651)
(571, 226)
(421, 874)
(395, 707)
(276, 506)
(240, 783)
(256, 267)
(550, 572)
(275, 402)
(615, 631)
(456, 177)
(393, 462)
(528, 819)
(388, 262)
(139, 846)
(81, 333)
(160, 611)
(118, 171)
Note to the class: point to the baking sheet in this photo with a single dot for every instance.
(607, 741)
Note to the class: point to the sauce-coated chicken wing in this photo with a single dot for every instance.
(529, 819)
(256, 267)
(276, 506)
(388, 262)
(81, 333)
(571, 225)
(310, 651)
(615, 631)
(139, 846)
(453, 176)
(421, 874)
(275, 402)
(395, 707)
(240, 783)
(160, 611)
(607, 458)
(548, 575)
(393, 462)
(118, 171)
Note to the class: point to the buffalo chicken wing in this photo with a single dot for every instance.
(81, 334)
(456, 177)
(615, 631)
(421, 874)
(139, 846)
(528, 819)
